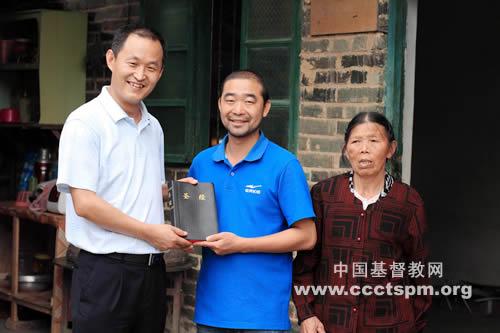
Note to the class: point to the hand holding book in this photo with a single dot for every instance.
(164, 237)
(224, 243)
(193, 208)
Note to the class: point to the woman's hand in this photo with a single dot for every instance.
(312, 325)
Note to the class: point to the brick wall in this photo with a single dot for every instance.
(340, 76)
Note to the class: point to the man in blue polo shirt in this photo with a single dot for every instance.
(265, 213)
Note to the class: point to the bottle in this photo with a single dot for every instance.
(32, 184)
(42, 166)
(28, 170)
(25, 107)
(25, 175)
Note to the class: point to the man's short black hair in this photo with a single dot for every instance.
(247, 74)
(122, 34)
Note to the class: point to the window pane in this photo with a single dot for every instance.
(269, 19)
(169, 17)
(276, 125)
(273, 63)
(173, 83)
(173, 122)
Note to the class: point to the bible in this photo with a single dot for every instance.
(193, 209)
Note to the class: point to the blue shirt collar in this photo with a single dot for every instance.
(255, 153)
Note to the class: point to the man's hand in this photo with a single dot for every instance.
(223, 243)
(312, 325)
(189, 180)
(164, 188)
(165, 236)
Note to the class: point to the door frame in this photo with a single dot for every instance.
(400, 80)
(409, 88)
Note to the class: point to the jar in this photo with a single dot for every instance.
(41, 263)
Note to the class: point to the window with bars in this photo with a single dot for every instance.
(180, 98)
(184, 100)
(270, 45)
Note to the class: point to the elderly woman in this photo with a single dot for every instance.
(370, 233)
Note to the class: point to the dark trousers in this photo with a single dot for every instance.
(112, 296)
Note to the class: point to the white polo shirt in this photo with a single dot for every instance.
(103, 150)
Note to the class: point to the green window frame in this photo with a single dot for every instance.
(394, 78)
(180, 100)
(253, 52)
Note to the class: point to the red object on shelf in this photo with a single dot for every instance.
(6, 49)
(9, 115)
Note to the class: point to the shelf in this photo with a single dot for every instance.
(39, 301)
(10, 209)
(57, 127)
(50, 72)
(18, 67)
(5, 293)
(51, 65)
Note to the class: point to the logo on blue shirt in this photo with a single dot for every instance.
(254, 189)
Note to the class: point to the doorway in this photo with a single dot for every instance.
(456, 140)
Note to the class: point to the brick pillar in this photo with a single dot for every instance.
(341, 75)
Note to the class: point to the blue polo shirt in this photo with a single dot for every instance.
(263, 194)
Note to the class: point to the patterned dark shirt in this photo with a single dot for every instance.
(390, 231)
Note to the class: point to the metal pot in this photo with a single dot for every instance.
(35, 282)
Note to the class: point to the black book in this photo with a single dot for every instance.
(193, 209)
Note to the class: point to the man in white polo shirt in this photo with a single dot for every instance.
(111, 163)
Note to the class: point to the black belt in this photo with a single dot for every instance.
(138, 259)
